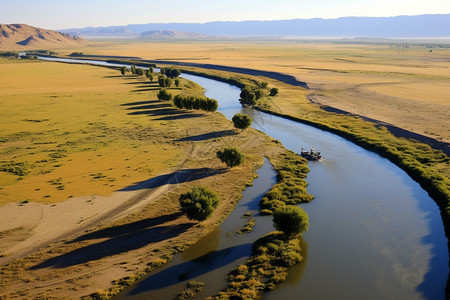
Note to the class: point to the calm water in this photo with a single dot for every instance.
(213, 256)
(374, 232)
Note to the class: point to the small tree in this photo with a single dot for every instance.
(291, 220)
(173, 72)
(133, 69)
(140, 71)
(263, 84)
(150, 77)
(164, 81)
(164, 95)
(177, 82)
(211, 105)
(123, 70)
(247, 97)
(258, 94)
(241, 121)
(273, 92)
(231, 157)
(199, 203)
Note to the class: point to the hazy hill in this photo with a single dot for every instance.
(390, 27)
(170, 35)
(21, 36)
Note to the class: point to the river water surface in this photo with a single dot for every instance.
(374, 232)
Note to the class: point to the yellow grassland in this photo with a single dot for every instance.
(88, 131)
(392, 83)
(83, 113)
(70, 124)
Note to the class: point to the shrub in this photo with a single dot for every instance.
(76, 54)
(164, 81)
(258, 94)
(140, 71)
(263, 84)
(247, 97)
(230, 156)
(273, 92)
(199, 203)
(164, 95)
(291, 220)
(241, 121)
(170, 72)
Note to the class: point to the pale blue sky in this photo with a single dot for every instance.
(63, 14)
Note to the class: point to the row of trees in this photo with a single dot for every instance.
(200, 202)
(249, 96)
(170, 72)
(164, 81)
(190, 102)
(164, 95)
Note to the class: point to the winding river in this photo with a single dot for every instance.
(374, 232)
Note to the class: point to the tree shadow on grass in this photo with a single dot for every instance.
(141, 103)
(144, 90)
(165, 113)
(150, 106)
(208, 136)
(180, 176)
(179, 117)
(157, 112)
(134, 82)
(130, 228)
(114, 76)
(122, 239)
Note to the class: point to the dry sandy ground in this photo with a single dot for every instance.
(27, 227)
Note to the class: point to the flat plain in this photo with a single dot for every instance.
(83, 141)
(85, 149)
(406, 84)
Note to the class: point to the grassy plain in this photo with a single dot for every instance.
(75, 130)
(107, 122)
(399, 83)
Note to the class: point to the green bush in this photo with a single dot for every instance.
(164, 81)
(291, 220)
(199, 203)
(164, 95)
(273, 92)
(241, 121)
(247, 97)
(230, 156)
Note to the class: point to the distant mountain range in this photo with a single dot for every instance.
(422, 26)
(22, 37)
(170, 35)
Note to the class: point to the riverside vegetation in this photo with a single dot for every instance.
(428, 166)
(160, 135)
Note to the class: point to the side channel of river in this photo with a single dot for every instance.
(374, 232)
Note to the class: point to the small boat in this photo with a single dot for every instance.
(310, 155)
